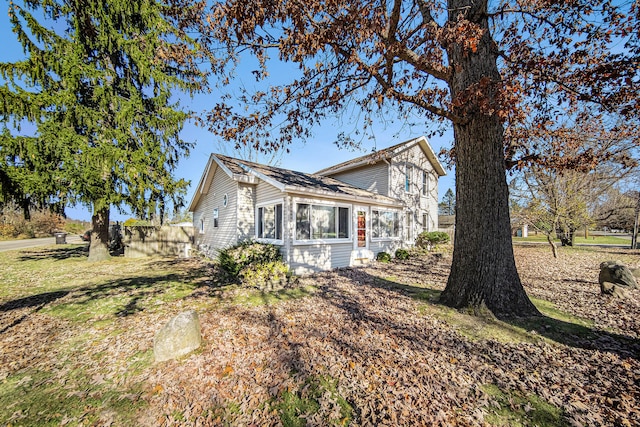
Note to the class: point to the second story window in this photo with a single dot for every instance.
(408, 171)
(425, 183)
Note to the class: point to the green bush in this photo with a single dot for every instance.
(266, 276)
(383, 257)
(233, 259)
(255, 264)
(428, 239)
(402, 254)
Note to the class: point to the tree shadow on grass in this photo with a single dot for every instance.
(564, 332)
(121, 297)
(57, 253)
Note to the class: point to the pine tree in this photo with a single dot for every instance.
(448, 204)
(96, 87)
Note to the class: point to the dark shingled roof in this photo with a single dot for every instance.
(295, 181)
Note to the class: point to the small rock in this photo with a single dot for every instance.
(180, 336)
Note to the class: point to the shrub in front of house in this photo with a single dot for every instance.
(383, 257)
(266, 276)
(234, 258)
(402, 254)
(255, 264)
(429, 239)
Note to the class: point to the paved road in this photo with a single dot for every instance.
(12, 245)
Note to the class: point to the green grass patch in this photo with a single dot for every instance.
(295, 406)
(38, 398)
(515, 409)
(255, 297)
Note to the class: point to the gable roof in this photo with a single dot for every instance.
(285, 180)
(385, 154)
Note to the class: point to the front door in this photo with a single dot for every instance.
(362, 241)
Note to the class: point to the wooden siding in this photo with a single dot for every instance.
(142, 242)
(374, 178)
(215, 238)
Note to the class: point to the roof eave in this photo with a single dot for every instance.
(348, 197)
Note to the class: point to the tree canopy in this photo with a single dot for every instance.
(492, 70)
(88, 116)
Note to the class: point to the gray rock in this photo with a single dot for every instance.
(615, 277)
(180, 336)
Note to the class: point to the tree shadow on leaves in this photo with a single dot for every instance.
(564, 332)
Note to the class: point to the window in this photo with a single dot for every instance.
(201, 225)
(215, 218)
(408, 170)
(225, 200)
(409, 234)
(425, 183)
(425, 222)
(385, 224)
(269, 223)
(322, 222)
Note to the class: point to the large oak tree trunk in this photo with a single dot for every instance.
(99, 247)
(483, 272)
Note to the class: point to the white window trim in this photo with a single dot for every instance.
(400, 224)
(426, 184)
(225, 200)
(316, 202)
(201, 227)
(262, 205)
(216, 218)
(408, 177)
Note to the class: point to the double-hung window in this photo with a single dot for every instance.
(319, 222)
(425, 183)
(385, 224)
(215, 217)
(408, 171)
(269, 223)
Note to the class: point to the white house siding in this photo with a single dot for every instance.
(417, 203)
(246, 211)
(215, 238)
(315, 256)
(388, 246)
(306, 259)
(374, 178)
(266, 192)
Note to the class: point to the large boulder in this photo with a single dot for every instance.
(180, 336)
(615, 278)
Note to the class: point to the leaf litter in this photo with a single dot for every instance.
(366, 333)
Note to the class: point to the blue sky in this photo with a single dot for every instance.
(317, 153)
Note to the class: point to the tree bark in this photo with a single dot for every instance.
(483, 272)
(99, 246)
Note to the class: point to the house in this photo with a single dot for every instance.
(340, 216)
